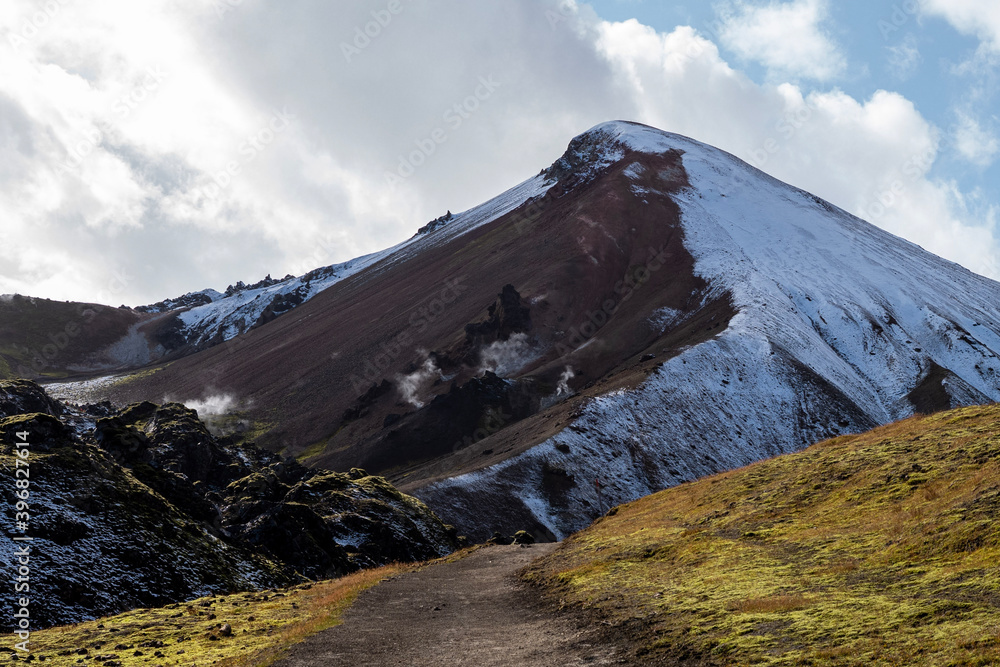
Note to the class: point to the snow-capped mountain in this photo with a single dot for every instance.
(647, 310)
(838, 326)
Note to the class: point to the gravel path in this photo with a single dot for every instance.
(470, 612)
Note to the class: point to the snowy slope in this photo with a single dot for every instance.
(229, 316)
(223, 317)
(837, 323)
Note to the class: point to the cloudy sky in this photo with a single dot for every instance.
(158, 147)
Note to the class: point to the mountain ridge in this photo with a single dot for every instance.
(159, 332)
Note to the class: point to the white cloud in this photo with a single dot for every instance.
(980, 18)
(904, 58)
(786, 37)
(974, 143)
(143, 188)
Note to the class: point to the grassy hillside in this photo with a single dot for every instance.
(261, 627)
(873, 549)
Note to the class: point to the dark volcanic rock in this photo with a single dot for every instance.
(523, 537)
(454, 420)
(436, 224)
(18, 397)
(126, 445)
(366, 400)
(292, 533)
(281, 304)
(507, 316)
(44, 430)
(171, 334)
(191, 300)
(148, 508)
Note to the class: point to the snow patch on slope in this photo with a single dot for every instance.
(665, 318)
(83, 391)
(133, 349)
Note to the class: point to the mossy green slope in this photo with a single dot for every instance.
(878, 549)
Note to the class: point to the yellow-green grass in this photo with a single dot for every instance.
(311, 451)
(264, 625)
(876, 549)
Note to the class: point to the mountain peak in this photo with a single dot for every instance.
(624, 134)
(606, 144)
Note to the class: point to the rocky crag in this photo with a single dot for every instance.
(143, 506)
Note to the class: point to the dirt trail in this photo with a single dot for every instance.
(470, 612)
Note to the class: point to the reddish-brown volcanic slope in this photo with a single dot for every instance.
(581, 250)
